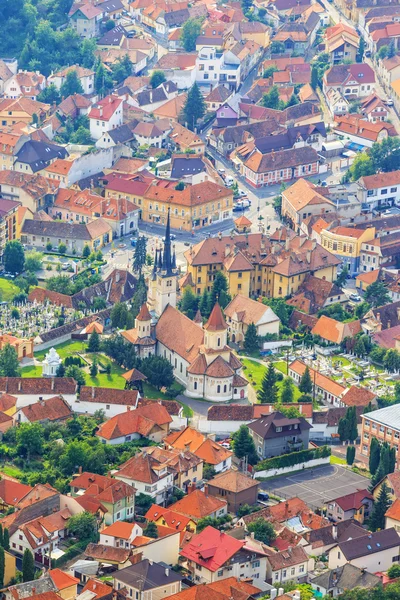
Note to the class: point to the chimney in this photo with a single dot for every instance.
(287, 243)
(101, 111)
(33, 591)
(52, 384)
(227, 249)
(388, 325)
(191, 488)
(167, 572)
(378, 317)
(334, 577)
(334, 532)
(309, 256)
(80, 470)
(219, 235)
(128, 408)
(252, 535)
(137, 558)
(206, 490)
(117, 277)
(280, 592)
(19, 385)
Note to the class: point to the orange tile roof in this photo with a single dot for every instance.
(198, 505)
(212, 453)
(12, 491)
(216, 321)
(321, 381)
(188, 438)
(99, 588)
(178, 333)
(335, 331)
(119, 529)
(62, 580)
(171, 109)
(233, 481)
(142, 420)
(393, 512)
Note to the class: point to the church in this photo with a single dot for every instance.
(201, 358)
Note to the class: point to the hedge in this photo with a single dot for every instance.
(70, 553)
(294, 458)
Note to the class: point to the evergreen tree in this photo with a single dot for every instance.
(350, 454)
(243, 445)
(61, 370)
(271, 99)
(190, 32)
(361, 49)
(377, 520)
(151, 530)
(6, 539)
(305, 385)
(157, 78)
(28, 566)
(314, 77)
(251, 343)
(102, 80)
(194, 108)
(351, 417)
(93, 369)
(1, 536)
(94, 342)
(287, 391)
(269, 390)
(374, 456)
(9, 363)
(14, 257)
(204, 304)
(219, 292)
(2, 566)
(139, 257)
(379, 475)
(71, 85)
(343, 429)
(189, 302)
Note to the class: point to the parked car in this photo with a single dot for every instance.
(133, 242)
(242, 193)
(389, 102)
(221, 171)
(172, 236)
(355, 297)
(242, 205)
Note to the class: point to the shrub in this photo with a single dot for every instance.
(294, 458)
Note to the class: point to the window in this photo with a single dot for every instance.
(301, 569)
(284, 573)
(383, 192)
(220, 573)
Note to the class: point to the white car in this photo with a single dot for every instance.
(241, 193)
(221, 171)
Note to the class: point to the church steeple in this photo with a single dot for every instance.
(165, 274)
(167, 256)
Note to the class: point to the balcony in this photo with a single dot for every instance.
(295, 445)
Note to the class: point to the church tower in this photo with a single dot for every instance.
(216, 335)
(165, 274)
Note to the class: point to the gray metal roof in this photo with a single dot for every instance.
(389, 416)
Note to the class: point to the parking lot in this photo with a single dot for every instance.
(317, 486)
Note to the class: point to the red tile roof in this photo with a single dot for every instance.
(62, 580)
(142, 420)
(353, 501)
(198, 505)
(105, 109)
(53, 409)
(216, 321)
(211, 548)
(12, 491)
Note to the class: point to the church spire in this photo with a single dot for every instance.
(167, 257)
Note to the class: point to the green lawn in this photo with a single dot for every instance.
(11, 471)
(341, 359)
(336, 460)
(7, 290)
(31, 371)
(281, 366)
(255, 372)
(149, 391)
(65, 349)
(107, 381)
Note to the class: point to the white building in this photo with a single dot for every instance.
(120, 534)
(148, 477)
(289, 565)
(85, 76)
(51, 363)
(112, 401)
(214, 68)
(379, 191)
(373, 552)
(242, 312)
(105, 115)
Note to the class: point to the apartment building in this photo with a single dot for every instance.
(383, 425)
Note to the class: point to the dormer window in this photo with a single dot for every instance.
(278, 429)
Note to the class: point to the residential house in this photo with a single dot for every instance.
(179, 67)
(320, 541)
(374, 109)
(217, 97)
(120, 534)
(383, 425)
(35, 156)
(209, 451)
(327, 389)
(105, 116)
(388, 35)
(234, 487)
(213, 555)
(392, 516)
(352, 81)
(10, 143)
(6, 72)
(225, 588)
(346, 244)
(92, 399)
(151, 99)
(66, 584)
(40, 535)
(315, 294)
(191, 169)
(74, 106)
(295, 38)
(85, 19)
(27, 390)
(392, 481)
(276, 434)
(380, 252)
(150, 421)
(383, 318)
(44, 586)
(214, 67)
(147, 476)
(198, 505)
(354, 129)
(242, 312)
(341, 43)
(38, 234)
(186, 467)
(22, 110)
(28, 84)
(54, 409)
(294, 514)
(337, 103)
(171, 519)
(389, 70)
(373, 551)
(148, 578)
(303, 199)
(292, 564)
(184, 140)
(335, 582)
(379, 191)
(85, 76)
(11, 493)
(357, 505)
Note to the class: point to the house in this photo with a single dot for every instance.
(120, 534)
(374, 109)
(28, 389)
(179, 67)
(234, 487)
(352, 81)
(186, 467)
(54, 410)
(197, 505)
(225, 589)
(11, 493)
(111, 402)
(40, 535)
(315, 294)
(66, 584)
(294, 514)
(354, 128)
(324, 387)
(295, 38)
(22, 110)
(388, 35)
(102, 554)
(32, 191)
(389, 70)
(341, 43)
(242, 312)
(334, 331)
(28, 84)
(147, 476)
(292, 564)
(150, 421)
(85, 19)
(357, 505)
(337, 103)
(217, 97)
(380, 252)
(337, 581)
(171, 519)
(392, 481)
(379, 191)
(85, 76)
(209, 451)
(276, 434)
(346, 244)
(380, 424)
(320, 541)
(372, 551)
(38, 234)
(303, 199)
(105, 116)
(148, 578)
(34, 156)
(44, 585)
(213, 555)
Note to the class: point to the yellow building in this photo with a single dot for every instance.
(66, 584)
(256, 265)
(345, 243)
(22, 110)
(10, 567)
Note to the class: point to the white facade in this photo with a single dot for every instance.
(289, 573)
(98, 125)
(377, 561)
(214, 68)
(116, 542)
(89, 408)
(158, 491)
(27, 399)
(87, 81)
(254, 568)
(375, 198)
(51, 363)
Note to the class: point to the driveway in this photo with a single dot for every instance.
(200, 407)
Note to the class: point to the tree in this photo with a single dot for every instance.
(151, 530)
(83, 526)
(9, 363)
(110, 24)
(293, 100)
(374, 456)
(359, 348)
(190, 32)
(77, 374)
(62, 248)
(72, 85)
(208, 472)
(28, 566)
(139, 257)
(194, 108)
(29, 439)
(157, 78)
(122, 68)
(158, 371)
(315, 81)
(188, 303)
(204, 304)
(61, 284)
(60, 371)
(361, 50)
(305, 385)
(362, 166)
(14, 257)
(377, 519)
(93, 369)
(377, 294)
(1, 536)
(49, 95)
(180, 186)
(383, 52)
(120, 316)
(350, 454)
(385, 155)
(271, 99)
(343, 429)
(347, 428)
(277, 48)
(219, 292)
(394, 571)
(269, 71)
(251, 341)
(269, 390)
(81, 137)
(287, 391)
(102, 80)
(2, 566)
(6, 539)
(86, 251)
(33, 261)
(243, 445)
(94, 342)
(342, 277)
(391, 362)
(263, 531)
